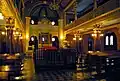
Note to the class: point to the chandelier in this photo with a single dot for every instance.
(77, 36)
(97, 32)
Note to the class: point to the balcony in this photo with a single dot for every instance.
(106, 7)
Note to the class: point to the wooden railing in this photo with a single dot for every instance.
(55, 58)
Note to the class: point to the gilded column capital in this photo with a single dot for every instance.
(28, 18)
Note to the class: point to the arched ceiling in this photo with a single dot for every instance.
(31, 4)
(82, 5)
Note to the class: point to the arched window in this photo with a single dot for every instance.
(111, 40)
(106, 40)
(90, 44)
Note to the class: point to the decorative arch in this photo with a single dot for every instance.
(38, 5)
(33, 41)
(34, 7)
(110, 41)
(55, 43)
(43, 11)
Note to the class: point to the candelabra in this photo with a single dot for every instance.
(97, 33)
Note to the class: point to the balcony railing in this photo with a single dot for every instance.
(106, 7)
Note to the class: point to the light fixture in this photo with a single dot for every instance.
(5, 68)
(17, 78)
(43, 39)
(3, 33)
(101, 34)
(17, 33)
(80, 38)
(90, 51)
(13, 33)
(71, 21)
(53, 39)
(74, 38)
(53, 23)
(32, 22)
(1, 16)
(32, 38)
(77, 36)
(14, 29)
(97, 31)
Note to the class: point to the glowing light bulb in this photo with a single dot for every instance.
(17, 33)
(74, 38)
(53, 39)
(3, 33)
(1, 16)
(80, 38)
(92, 34)
(43, 39)
(53, 23)
(101, 34)
(32, 38)
(32, 22)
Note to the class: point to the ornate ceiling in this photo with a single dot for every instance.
(33, 7)
(50, 9)
(57, 5)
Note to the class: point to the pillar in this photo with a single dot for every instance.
(75, 10)
(60, 32)
(85, 43)
(118, 38)
(27, 26)
(95, 7)
(102, 43)
(95, 4)
(65, 19)
(9, 40)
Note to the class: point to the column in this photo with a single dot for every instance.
(118, 38)
(75, 10)
(85, 43)
(95, 4)
(65, 19)
(9, 40)
(102, 43)
(95, 7)
(60, 32)
(27, 26)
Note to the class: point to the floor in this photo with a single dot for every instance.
(83, 72)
